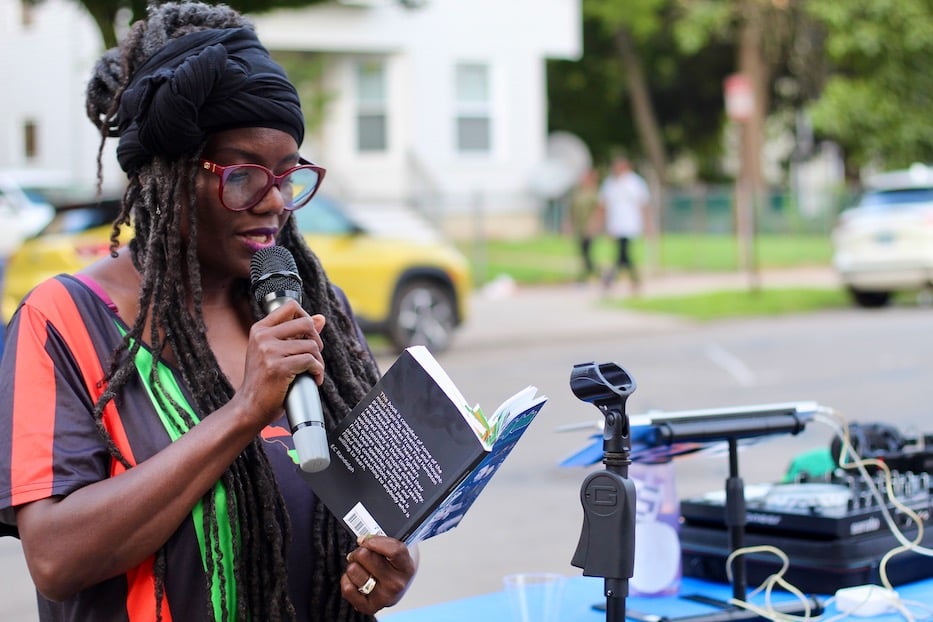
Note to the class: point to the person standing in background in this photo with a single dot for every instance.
(584, 219)
(624, 200)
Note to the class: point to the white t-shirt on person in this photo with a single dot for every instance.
(625, 197)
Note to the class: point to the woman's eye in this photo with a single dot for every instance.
(238, 176)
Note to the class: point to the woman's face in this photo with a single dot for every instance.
(228, 239)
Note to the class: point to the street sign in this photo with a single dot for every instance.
(740, 97)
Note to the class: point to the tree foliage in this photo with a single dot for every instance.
(877, 102)
(590, 97)
(860, 68)
(306, 71)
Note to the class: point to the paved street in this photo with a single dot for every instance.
(507, 316)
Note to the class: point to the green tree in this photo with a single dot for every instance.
(877, 102)
(306, 71)
(628, 24)
(763, 33)
(592, 97)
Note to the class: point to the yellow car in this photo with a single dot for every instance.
(413, 290)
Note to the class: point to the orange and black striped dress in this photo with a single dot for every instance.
(58, 348)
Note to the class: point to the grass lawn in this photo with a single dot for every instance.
(554, 258)
(726, 304)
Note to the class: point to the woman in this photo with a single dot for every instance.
(153, 479)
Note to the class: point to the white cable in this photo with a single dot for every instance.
(916, 604)
(834, 420)
(777, 578)
(839, 425)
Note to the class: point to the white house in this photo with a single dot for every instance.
(46, 55)
(440, 106)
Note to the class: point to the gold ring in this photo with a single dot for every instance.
(367, 587)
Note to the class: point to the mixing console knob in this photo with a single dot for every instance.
(898, 484)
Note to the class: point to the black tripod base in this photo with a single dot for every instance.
(724, 612)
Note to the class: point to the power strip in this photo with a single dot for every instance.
(866, 600)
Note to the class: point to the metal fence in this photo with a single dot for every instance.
(712, 210)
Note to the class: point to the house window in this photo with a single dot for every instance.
(474, 123)
(371, 117)
(30, 140)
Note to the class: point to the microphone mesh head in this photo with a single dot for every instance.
(273, 269)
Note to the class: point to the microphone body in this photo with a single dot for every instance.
(274, 279)
(303, 409)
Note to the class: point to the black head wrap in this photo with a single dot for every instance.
(198, 84)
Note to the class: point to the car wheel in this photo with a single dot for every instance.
(869, 299)
(423, 313)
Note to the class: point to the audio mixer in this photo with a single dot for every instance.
(834, 532)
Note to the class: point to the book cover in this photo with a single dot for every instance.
(412, 456)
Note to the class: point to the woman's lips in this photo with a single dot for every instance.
(258, 238)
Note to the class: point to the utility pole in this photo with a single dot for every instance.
(740, 104)
(745, 105)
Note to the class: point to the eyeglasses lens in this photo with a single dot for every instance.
(302, 183)
(245, 186)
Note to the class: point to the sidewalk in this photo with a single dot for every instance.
(505, 314)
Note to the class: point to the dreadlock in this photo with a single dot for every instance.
(157, 196)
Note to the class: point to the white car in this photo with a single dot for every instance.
(24, 204)
(884, 244)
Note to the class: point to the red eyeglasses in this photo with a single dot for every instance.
(243, 186)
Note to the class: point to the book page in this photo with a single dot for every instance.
(449, 513)
(473, 415)
(512, 407)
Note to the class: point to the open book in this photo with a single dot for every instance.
(413, 455)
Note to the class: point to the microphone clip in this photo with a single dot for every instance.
(607, 540)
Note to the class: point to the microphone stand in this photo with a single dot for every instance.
(607, 541)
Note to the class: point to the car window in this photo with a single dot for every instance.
(900, 196)
(59, 194)
(78, 219)
(37, 196)
(322, 215)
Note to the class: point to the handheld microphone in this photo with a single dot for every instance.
(273, 280)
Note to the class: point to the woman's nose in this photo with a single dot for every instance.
(273, 201)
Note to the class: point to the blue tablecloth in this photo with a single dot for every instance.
(581, 593)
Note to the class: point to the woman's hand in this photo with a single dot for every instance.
(282, 345)
(390, 565)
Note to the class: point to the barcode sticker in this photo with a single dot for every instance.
(361, 522)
